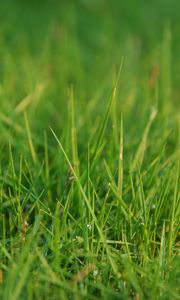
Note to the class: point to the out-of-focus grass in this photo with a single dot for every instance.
(89, 149)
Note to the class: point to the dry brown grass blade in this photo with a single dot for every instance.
(83, 273)
(24, 103)
(7, 121)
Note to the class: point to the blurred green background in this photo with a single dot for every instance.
(60, 43)
(46, 47)
(83, 39)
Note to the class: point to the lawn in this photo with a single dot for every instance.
(89, 149)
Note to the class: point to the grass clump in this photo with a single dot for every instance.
(89, 152)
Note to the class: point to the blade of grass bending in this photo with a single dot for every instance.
(47, 170)
(74, 147)
(120, 178)
(87, 203)
(73, 133)
(104, 124)
(30, 141)
(139, 156)
(142, 196)
(120, 169)
(114, 189)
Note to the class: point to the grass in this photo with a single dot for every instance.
(89, 150)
